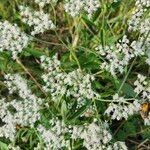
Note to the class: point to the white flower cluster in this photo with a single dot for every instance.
(80, 86)
(8, 130)
(142, 87)
(54, 138)
(96, 138)
(140, 22)
(144, 30)
(145, 26)
(119, 146)
(54, 77)
(12, 38)
(143, 3)
(138, 47)
(121, 110)
(39, 20)
(137, 16)
(143, 90)
(74, 8)
(43, 3)
(17, 83)
(118, 57)
(135, 20)
(26, 108)
(59, 83)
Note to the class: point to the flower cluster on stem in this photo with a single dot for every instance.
(12, 38)
(39, 20)
(74, 8)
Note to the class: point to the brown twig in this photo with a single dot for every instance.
(27, 71)
(119, 127)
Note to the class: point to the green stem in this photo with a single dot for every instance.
(96, 110)
(103, 100)
(124, 80)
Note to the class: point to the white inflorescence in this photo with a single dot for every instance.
(139, 22)
(8, 130)
(26, 108)
(12, 38)
(39, 20)
(30, 104)
(135, 21)
(96, 137)
(145, 31)
(74, 8)
(59, 83)
(43, 3)
(54, 138)
(143, 3)
(118, 57)
(137, 16)
(142, 88)
(119, 146)
(121, 110)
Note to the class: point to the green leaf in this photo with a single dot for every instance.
(3, 146)
(121, 135)
(79, 112)
(128, 90)
(34, 52)
(64, 109)
(97, 85)
(103, 37)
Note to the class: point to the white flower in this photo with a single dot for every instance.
(135, 20)
(96, 137)
(117, 57)
(54, 138)
(119, 146)
(43, 3)
(12, 38)
(142, 87)
(121, 110)
(143, 3)
(39, 20)
(26, 107)
(74, 8)
(58, 83)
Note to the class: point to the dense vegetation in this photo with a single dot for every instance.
(74, 74)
